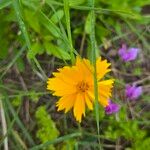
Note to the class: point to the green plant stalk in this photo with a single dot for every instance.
(67, 16)
(93, 45)
(40, 68)
(13, 61)
(19, 140)
(18, 121)
(17, 8)
(18, 12)
(22, 94)
(9, 130)
(10, 126)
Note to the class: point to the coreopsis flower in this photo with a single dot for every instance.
(111, 108)
(133, 92)
(128, 54)
(75, 86)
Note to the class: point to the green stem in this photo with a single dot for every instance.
(67, 16)
(93, 45)
(17, 8)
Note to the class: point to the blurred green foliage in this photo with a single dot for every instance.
(128, 129)
(45, 23)
(47, 130)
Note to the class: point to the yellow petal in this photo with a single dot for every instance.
(88, 101)
(91, 94)
(66, 102)
(85, 68)
(107, 82)
(59, 87)
(103, 100)
(69, 75)
(79, 107)
(104, 90)
(102, 68)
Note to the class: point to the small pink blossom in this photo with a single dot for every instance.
(133, 92)
(128, 54)
(111, 108)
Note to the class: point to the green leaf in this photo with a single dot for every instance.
(5, 3)
(88, 24)
(57, 16)
(47, 23)
(16, 101)
(33, 96)
(32, 19)
(58, 52)
(36, 48)
(137, 71)
(68, 145)
(144, 145)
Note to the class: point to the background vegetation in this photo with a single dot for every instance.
(38, 36)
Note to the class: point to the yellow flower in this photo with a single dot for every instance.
(75, 86)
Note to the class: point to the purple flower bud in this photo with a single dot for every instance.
(128, 54)
(111, 108)
(133, 92)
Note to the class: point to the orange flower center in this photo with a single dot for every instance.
(82, 86)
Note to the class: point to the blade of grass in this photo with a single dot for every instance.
(5, 3)
(67, 17)
(4, 125)
(10, 128)
(140, 36)
(20, 124)
(40, 69)
(13, 61)
(93, 45)
(22, 94)
(62, 29)
(22, 26)
(20, 141)
(58, 140)
(10, 125)
(17, 8)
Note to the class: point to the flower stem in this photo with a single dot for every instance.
(93, 45)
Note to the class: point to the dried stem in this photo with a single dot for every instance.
(4, 125)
